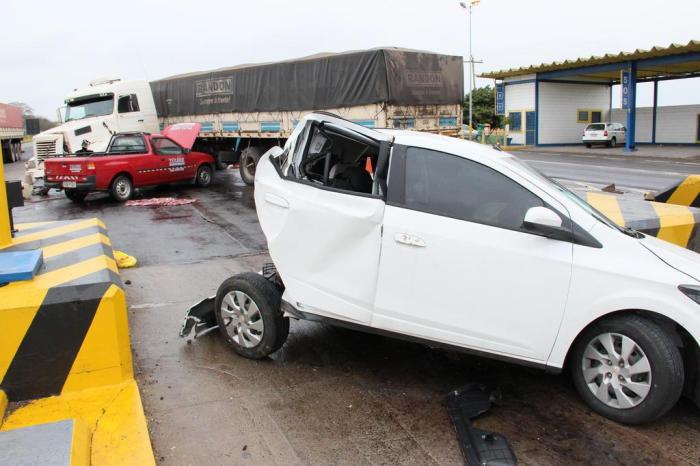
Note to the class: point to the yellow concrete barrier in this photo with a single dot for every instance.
(65, 343)
(686, 193)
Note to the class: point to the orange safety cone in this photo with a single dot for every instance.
(368, 166)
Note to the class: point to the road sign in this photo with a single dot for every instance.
(625, 82)
(500, 99)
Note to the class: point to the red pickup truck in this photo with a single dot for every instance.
(132, 160)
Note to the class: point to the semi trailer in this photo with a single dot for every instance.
(11, 132)
(246, 109)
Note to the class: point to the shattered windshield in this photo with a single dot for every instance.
(90, 107)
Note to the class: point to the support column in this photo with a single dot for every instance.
(653, 112)
(537, 111)
(631, 139)
(5, 233)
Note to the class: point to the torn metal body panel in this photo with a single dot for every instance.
(479, 447)
(200, 318)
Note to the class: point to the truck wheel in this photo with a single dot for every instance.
(204, 174)
(76, 196)
(6, 152)
(121, 188)
(248, 312)
(249, 160)
(628, 369)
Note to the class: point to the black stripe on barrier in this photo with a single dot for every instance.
(75, 256)
(49, 348)
(42, 243)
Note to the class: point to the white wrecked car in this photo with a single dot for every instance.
(457, 244)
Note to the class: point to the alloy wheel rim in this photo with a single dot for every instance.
(250, 166)
(242, 319)
(616, 370)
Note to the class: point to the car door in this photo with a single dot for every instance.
(134, 151)
(325, 242)
(130, 116)
(458, 267)
(172, 160)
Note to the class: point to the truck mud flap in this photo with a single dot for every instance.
(478, 446)
(200, 318)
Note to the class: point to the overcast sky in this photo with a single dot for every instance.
(50, 48)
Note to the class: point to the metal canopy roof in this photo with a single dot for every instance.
(673, 62)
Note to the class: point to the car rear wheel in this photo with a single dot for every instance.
(76, 196)
(588, 146)
(248, 312)
(613, 142)
(628, 369)
(204, 176)
(248, 162)
(122, 188)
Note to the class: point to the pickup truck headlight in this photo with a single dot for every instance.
(691, 291)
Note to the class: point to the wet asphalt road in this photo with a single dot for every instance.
(329, 396)
(630, 172)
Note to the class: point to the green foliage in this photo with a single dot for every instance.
(483, 108)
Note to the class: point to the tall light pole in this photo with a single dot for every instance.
(468, 7)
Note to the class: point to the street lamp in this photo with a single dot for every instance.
(468, 7)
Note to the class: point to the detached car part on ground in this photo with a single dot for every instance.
(456, 244)
(132, 160)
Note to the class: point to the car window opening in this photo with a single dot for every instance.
(338, 161)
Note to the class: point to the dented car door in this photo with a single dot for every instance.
(325, 243)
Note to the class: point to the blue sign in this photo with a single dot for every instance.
(626, 89)
(500, 99)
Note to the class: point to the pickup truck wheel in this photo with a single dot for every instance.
(76, 196)
(204, 174)
(249, 160)
(248, 312)
(121, 188)
(628, 369)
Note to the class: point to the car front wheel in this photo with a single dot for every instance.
(628, 369)
(249, 315)
(204, 175)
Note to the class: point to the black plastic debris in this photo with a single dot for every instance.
(478, 446)
(200, 318)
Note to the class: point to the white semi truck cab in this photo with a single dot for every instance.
(91, 115)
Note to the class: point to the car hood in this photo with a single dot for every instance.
(681, 259)
(183, 133)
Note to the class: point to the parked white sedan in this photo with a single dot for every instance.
(457, 244)
(610, 134)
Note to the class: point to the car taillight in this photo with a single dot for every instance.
(90, 166)
(605, 133)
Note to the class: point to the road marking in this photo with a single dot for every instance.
(604, 167)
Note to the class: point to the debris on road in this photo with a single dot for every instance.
(160, 201)
(478, 446)
(124, 261)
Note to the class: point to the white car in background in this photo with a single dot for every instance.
(610, 134)
(457, 244)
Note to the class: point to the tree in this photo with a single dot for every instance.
(483, 108)
(27, 111)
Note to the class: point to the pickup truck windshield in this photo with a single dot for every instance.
(85, 108)
(127, 144)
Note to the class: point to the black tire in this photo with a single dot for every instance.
(204, 176)
(665, 362)
(6, 152)
(267, 298)
(122, 188)
(613, 142)
(588, 146)
(76, 196)
(248, 162)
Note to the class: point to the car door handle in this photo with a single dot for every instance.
(276, 200)
(410, 240)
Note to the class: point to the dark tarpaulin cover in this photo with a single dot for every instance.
(387, 75)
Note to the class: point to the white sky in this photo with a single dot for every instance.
(49, 48)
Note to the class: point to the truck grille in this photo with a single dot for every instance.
(45, 148)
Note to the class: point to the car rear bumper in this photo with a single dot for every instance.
(89, 184)
(593, 140)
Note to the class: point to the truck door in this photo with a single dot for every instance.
(323, 222)
(457, 264)
(129, 114)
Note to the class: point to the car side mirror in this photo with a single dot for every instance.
(544, 221)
